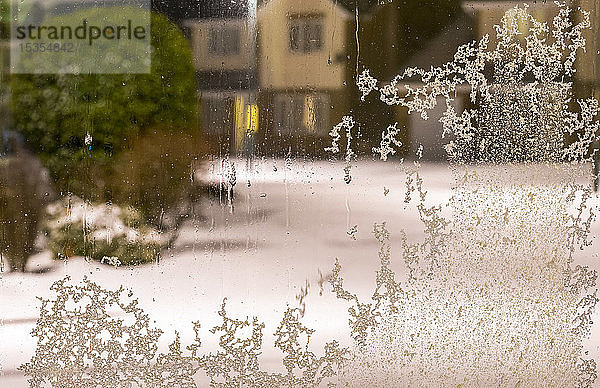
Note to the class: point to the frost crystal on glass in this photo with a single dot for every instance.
(92, 337)
(347, 124)
(522, 110)
(491, 297)
(387, 139)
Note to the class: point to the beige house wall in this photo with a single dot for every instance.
(490, 13)
(588, 64)
(280, 67)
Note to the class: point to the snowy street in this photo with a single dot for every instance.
(288, 224)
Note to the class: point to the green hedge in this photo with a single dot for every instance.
(55, 112)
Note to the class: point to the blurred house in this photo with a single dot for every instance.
(223, 44)
(436, 52)
(476, 19)
(302, 69)
(588, 64)
(488, 13)
(284, 70)
(275, 72)
(588, 67)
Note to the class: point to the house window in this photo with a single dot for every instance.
(301, 114)
(306, 34)
(224, 41)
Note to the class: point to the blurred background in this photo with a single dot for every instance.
(209, 177)
(229, 79)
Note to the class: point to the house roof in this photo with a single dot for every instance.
(202, 9)
(232, 9)
(363, 5)
(179, 10)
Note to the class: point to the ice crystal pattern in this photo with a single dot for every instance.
(346, 125)
(92, 337)
(491, 297)
(88, 336)
(522, 109)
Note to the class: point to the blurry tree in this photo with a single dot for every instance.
(77, 124)
(4, 62)
(21, 207)
(155, 175)
(4, 14)
(131, 139)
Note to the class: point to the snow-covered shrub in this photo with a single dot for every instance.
(105, 233)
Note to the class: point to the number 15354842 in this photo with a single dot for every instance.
(47, 47)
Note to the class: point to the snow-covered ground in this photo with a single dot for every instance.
(288, 223)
